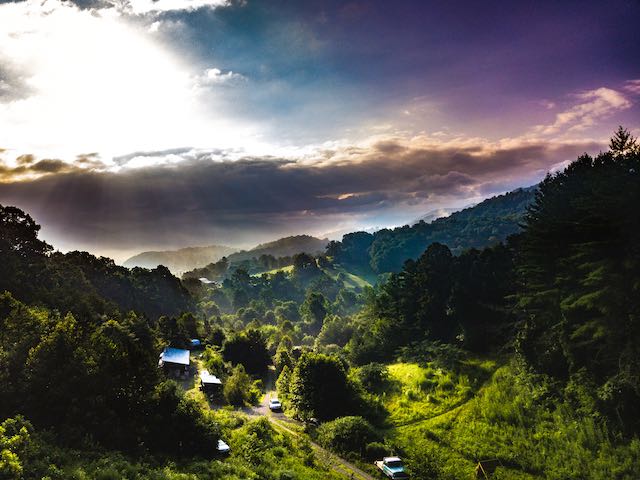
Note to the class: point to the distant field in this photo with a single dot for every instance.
(287, 269)
(350, 279)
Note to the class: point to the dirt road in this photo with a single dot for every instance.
(285, 424)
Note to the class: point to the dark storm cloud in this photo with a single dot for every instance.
(198, 199)
(29, 166)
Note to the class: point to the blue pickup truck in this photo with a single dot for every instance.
(392, 468)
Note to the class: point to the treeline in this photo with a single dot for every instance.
(564, 294)
(74, 362)
(78, 281)
(225, 267)
(578, 265)
(386, 250)
(463, 300)
(262, 258)
(295, 304)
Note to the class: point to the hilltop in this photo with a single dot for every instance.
(283, 247)
(485, 224)
(180, 260)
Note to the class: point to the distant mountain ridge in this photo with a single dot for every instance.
(485, 224)
(262, 258)
(181, 260)
(439, 213)
(283, 247)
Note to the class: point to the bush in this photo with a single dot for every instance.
(347, 435)
(319, 388)
(376, 451)
(240, 390)
(213, 362)
(179, 425)
(374, 377)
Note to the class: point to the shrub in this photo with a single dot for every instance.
(374, 377)
(347, 434)
(376, 450)
(239, 389)
(214, 362)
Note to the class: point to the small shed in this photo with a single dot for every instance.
(174, 360)
(210, 384)
(195, 343)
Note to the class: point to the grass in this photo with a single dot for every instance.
(420, 392)
(449, 422)
(287, 269)
(258, 451)
(350, 279)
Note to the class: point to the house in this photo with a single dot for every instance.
(174, 361)
(210, 384)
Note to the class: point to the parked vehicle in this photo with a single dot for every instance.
(275, 405)
(392, 467)
(223, 448)
(312, 422)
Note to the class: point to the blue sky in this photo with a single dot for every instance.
(156, 124)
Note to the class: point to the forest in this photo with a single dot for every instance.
(510, 333)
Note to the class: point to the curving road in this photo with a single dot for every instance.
(280, 421)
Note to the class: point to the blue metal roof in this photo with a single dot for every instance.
(195, 342)
(175, 355)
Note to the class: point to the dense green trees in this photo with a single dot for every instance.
(249, 349)
(94, 378)
(78, 281)
(74, 363)
(485, 224)
(462, 300)
(319, 388)
(313, 310)
(579, 268)
(177, 425)
(240, 389)
(15, 448)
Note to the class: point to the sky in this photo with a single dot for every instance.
(128, 125)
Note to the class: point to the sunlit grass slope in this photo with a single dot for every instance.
(421, 392)
(511, 418)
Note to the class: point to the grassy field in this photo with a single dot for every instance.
(349, 279)
(421, 392)
(445, 422)
(287, 269)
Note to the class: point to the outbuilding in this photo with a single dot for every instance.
(174, 361)
(210, 384)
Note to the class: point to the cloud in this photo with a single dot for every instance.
(29, 167)
(592, 106)
(119, 89)
(13, 82)
(143, 7)
(205, 198)
(215, 76)
(633, 86)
